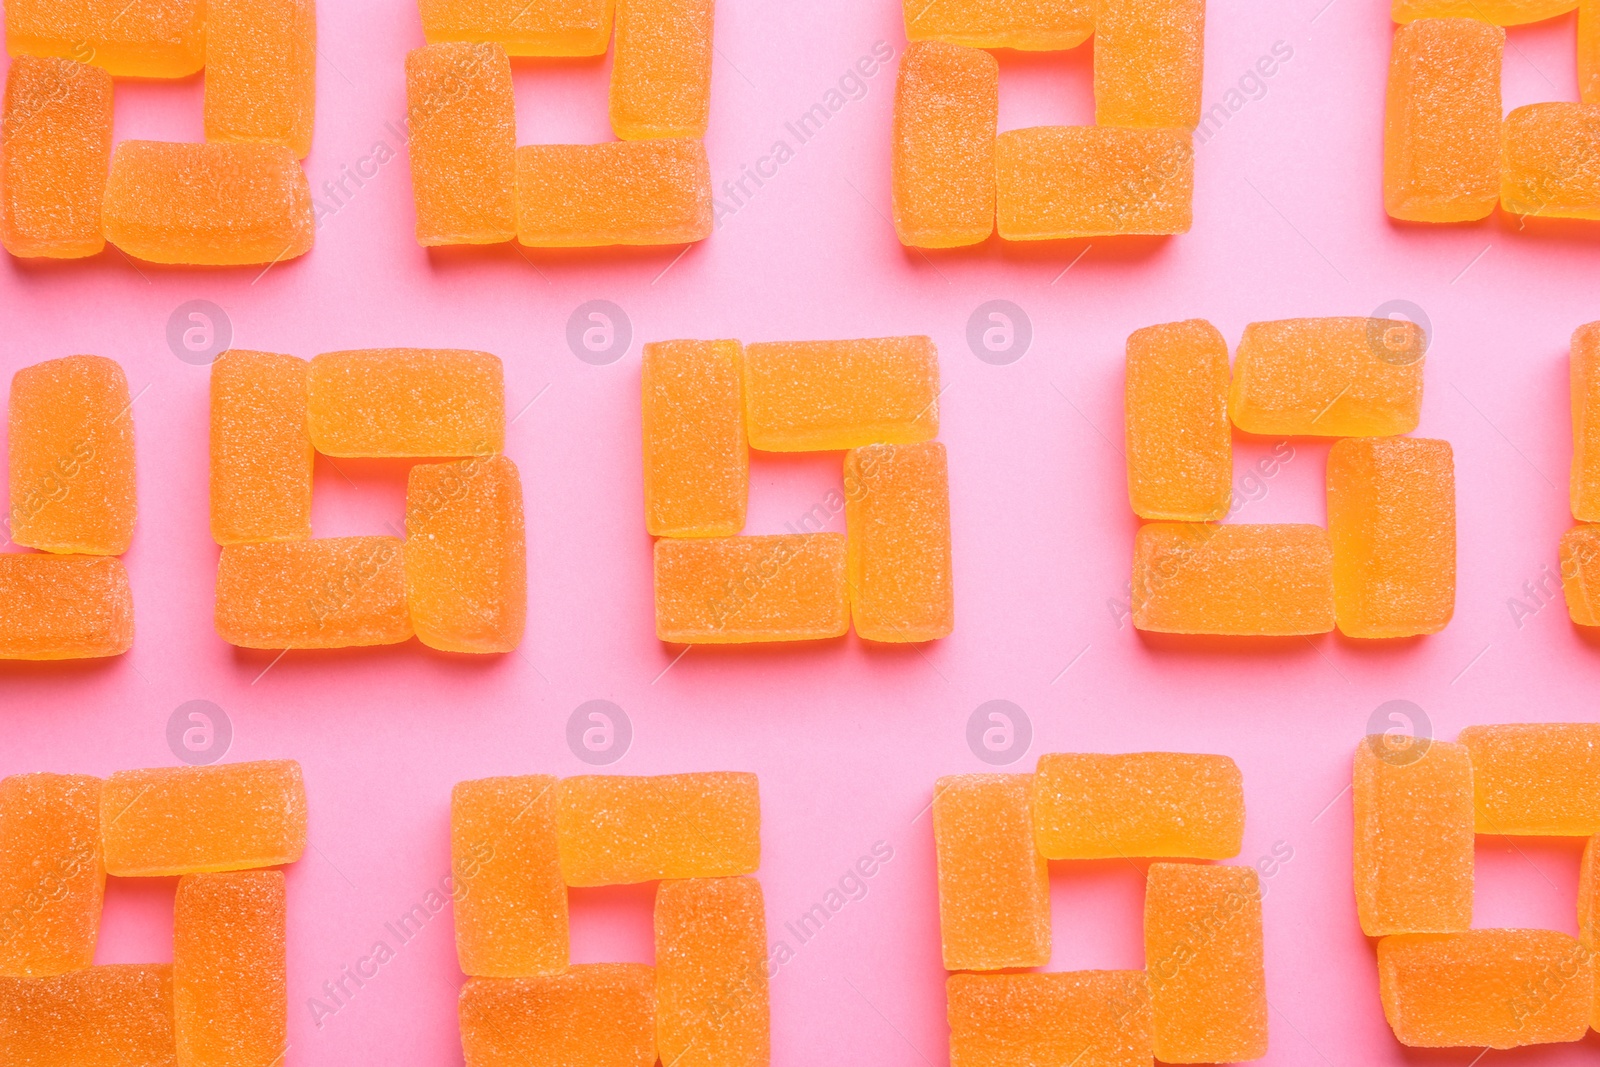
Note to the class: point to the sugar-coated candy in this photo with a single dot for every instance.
(1203, 954)
(1026, 25)
(1328, 377)
(1498, 12)
(733, 590)
(711, 973)
(946, 107)
(1589, 895)
(1392, 521)
(1147, 60)
(1584, 378)
(621, 829)
(510, 901)
(547, 28)
(52, 880)
(333, 592)
(1580, 573)
(208, 204)
(407, 402)
(1441, 142)
(463, 143)
(613, 193)
(994, 886)
(261, 67)
(696, 454)
(897, 511)
(55, 148)
(1550, 161)
(261, 455)
(1537, 779)
(1241, 580)
(1494, 988)
(812, 396)
(112, 1016)
(128, 38)
(195, 820)
(64, 607)
(1179, 442)
(229, 982)
(1081, 1018)
(1090, 806)
(661, 69)
(1589, 51)
(1055, 182)
(594, 1015)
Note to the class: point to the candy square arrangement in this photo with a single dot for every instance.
(240, 197)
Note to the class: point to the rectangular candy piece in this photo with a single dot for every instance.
(1058, 182)
(734, 590)
(51, 878)
(261, 72)
(71, 457)
(208, 204)
(1536, 779)
(1495, 988)
(946, 107)
(661, 69)
(1203, 955)
(1414, 836)
(463, 143)
(1392, 521)
(1584, 375)
(711, 973)
(1088, 806)
(1147, 61)
(1498, 12)
(994, 886)
(614, 193)
(230, 997)
(389, 402)
(1580, 573)
(621, 829)
(1550, 161)
(465, 560)
(547, 28)
(1179, 441)
(1329, 377)
(55, 149)
(128, 38)
(696, 455)
(1026, 25)
(261, 455)
(1239, 580)
(1081, 1018)
(113, 1016)
(594, 1015)
(510, 901)
(1589, 51)
(333, 592)
(817, 396)
(64, 607)
(1441, 142)
(897, 511)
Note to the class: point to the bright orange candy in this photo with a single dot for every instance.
(546, 28)
(1549, 164)
(510, 901)
(1330, 377)
(1027, 25)
(1584, 375)
(1540, 779)
(129, 38)
(1203, 955)
(1495, 988)
(1081, 1018)
(113, 1016)
(816, 396)
(1589, 51)
(696, 454)
(261, 456)
(614, 193)
(1056, 182)
(711, 973)
(55, 148)
(897, 511)
(208, 204)
(230, 997)
(1175, 401)
(1580, 573)
(946, 107)
(51, 878)
(1498, 12)
(1392, 521)
(1589, 895)
(261, 71)
(1240, 580)
(1089, 806)
(1147, 62)
(994, 886)
(661, 69)
(463, 143)
(407, 402)
(333, 592)
(64, 607)
(734, 590)
(594, 1015)
(621, 829)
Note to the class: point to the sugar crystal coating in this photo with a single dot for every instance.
(696, 454)
(1589, 52)
(510, 901)
(463, 141)
(897, 512)
(711, 973)
(1027, 25)
(661, 69)
(1057, 182)
(261, 455)
(52, 880)
(333, 592)
(1179, 441)
(809, 396)
(946, 106)
(1498, 12)
(621, 829)
(64, 607)
(1584, 376)
(55, 149)
(1241, 580)
(1147, 61)
(1082, 1018)
(731, 590)
(1328, 377)
(594, 1015)
(614, 193)
(261, 66)
(1550, 161)
(111, 1016)
(1536, 778)
(128, 38)
(1580, 573)
(229, 982)
(1092, 806)
(407, 402)
(994, 886)
(546, 28)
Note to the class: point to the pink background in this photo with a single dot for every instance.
(847, 739)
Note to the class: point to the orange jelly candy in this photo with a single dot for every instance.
(1240, 580)
(546, 28)
(696, 455)
(1441, 147)
(897, 510)
(230, 997)
(620, 829)
(51, 878)
(711, 973)
(463, 143)
(1498, 12)
(510, 901)
(114, 1016)
(388, 402)
(1147, 60)
(1537, 779)
(1580, 573)
(1392, 521)
(1057, 182)
(734, 590)
(64, 607)
(1413, 836)
(55, 148)
(1026, 25)
(1332, 377)
(1180, 445)
(1588, 52)
(594, 1015)
(261, 67)
(994, 886)
(1584, 375)
(333, 592)
(614, 193)
(1088, 806)
(129, 38)
(261, 456)
(1550, 161)
(816, 396)
(1076, 1018)
(661, 69)
(946, 106)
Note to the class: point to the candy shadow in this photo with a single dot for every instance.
(71, 670)
(1214, 646)
(255, 664)
(512, 254)
(1581, 232)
